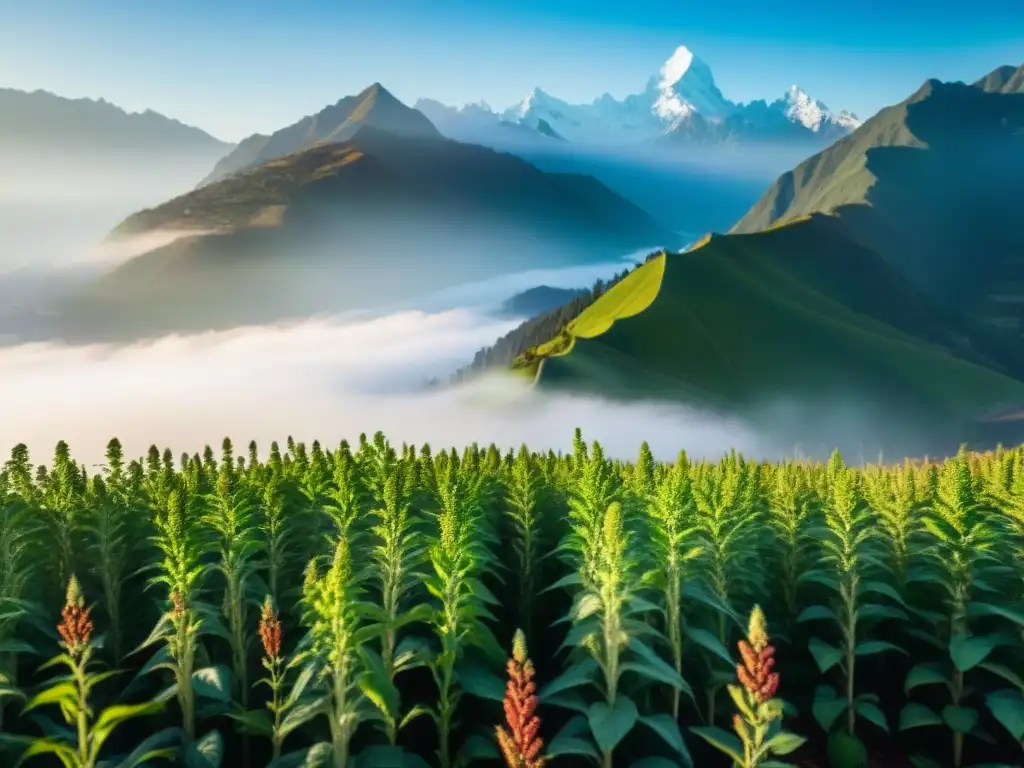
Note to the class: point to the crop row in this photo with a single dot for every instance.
(357, 607)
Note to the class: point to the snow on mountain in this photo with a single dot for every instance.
(686, 85)
(680, 103)
(601, 122)
(478, 123)
(813, 114)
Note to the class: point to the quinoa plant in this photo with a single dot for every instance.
(17, 568)
(83, 746)
(961, 561)
(277, 533)
(182, 624)
(289, 708)
(791, 511)
(394, 557)
(895, 498)
(235, 541)
(675, 542)
(523, 497)
(335, 624)
(63, 507)
(520, 742)
(595, 488)
(851, 568)
(454, 556)
(608, 627)
(342, 498)
(112, 528)
(757, 722)
(730, 528)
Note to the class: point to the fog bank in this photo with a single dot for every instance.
(317, 379)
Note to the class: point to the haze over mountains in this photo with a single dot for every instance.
(50, 145)
(680, 105)
(360, 205)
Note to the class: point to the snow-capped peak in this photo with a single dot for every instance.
(680, 98)
(534, 100)
(848, 120)
(685, 85)
(812, 113)
(802, 109)
(675, 67)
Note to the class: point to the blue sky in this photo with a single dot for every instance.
(238, 66)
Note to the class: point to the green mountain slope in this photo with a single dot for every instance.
(380, 218)
(933, 185)
(797, 316)
(373, 107)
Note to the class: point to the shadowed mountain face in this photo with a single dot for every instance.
(933, 185)
(379, 218)
(799, 330)
(374, 107)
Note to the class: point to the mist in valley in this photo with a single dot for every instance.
(325, 379)
(693, 190)
(57, 204)
(329, 376)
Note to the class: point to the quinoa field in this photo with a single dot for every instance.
(394, 606)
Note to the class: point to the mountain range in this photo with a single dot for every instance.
(884, 271)
(882, 278)
(681, 104)
(363, 204)
(43, 120)
(89, 153)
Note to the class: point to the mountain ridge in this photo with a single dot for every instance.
(929, 184)
(884, 272)
(799, 317)
(347, 225)
(679, 104)
(373, 106)
(35, 117)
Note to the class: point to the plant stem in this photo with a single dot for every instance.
(444, 723)
(184, 668)
(958, 738)
(275, 681)
(339, 726)
(78, 672)
(675, 633)
(851, 650)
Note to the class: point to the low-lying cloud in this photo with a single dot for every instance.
(323, 379)
(117, 251)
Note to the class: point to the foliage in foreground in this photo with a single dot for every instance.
(353, 607)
